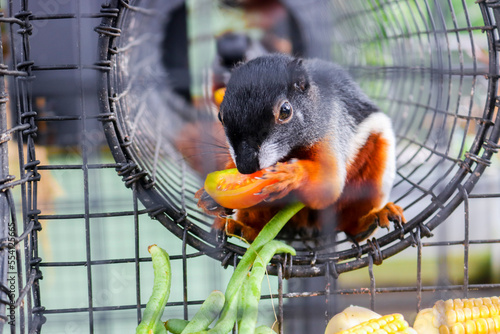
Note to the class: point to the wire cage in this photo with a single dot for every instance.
(98, 91)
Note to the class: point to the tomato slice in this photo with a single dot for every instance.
(233, 190)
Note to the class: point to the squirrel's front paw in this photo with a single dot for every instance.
(288, 176)
(208, 204)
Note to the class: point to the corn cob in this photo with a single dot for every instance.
(349, 317)
(387, 324)
(456, 316)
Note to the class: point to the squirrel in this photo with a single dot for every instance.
(306, 122)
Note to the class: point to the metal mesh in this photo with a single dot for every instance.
(418, 61)
(431, 65)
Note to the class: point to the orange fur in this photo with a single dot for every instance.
(362, 195)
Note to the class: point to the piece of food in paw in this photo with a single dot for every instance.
(234, 190)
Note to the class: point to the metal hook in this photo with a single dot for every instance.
(226, 259)
(332, 269)
(376, 252)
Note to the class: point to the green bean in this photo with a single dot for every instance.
(228, 316)
(268, 233)
(252, 289)
(176, 326)
(209, 310)
(151, 322)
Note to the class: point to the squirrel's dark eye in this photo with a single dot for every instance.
(285, 111)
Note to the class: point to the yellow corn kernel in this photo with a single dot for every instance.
(470, 326)
(481, 326)
(458, 303)
(461, 315)
(443, 329)
(493, 309)
(496, 319)
(468, 303)
(451, 316)
(381, 322)
(491, 326)
(468, 313)
(478, 302)
(457, 328)
(475, 312)
(391, 328)
(484, 312)
(408, 330)
(448, 304)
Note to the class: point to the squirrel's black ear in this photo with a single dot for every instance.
(298, 75)
(237, 64)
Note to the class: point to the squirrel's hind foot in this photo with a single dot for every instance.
(380, 218)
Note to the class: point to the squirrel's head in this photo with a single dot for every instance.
(268, 110)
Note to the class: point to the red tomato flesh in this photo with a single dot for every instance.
(233, 190)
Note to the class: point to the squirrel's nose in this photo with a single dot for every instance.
(247, 159)
(247, 168)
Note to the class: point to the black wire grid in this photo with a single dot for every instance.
(432, 65)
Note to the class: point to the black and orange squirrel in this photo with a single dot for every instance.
(339, 148)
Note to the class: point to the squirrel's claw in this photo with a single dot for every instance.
(382, 218)
(287, 177)
(208, 204)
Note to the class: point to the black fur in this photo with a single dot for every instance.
(317, 90)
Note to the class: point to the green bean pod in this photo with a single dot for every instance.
(249, 303)
(207, 313)
(176, 326)
(151, 322)
(268, 233)
(264, 330)
(228, 316)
